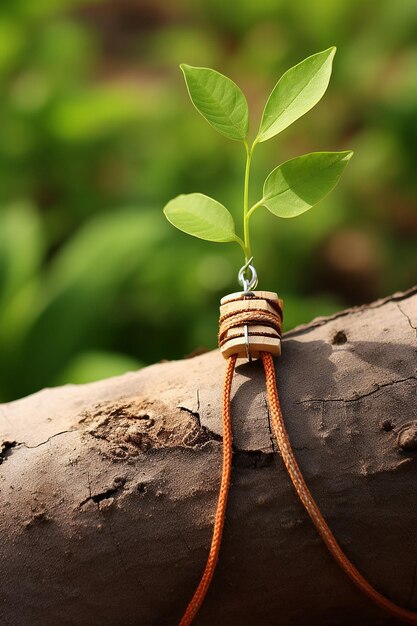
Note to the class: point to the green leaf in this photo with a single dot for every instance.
(201, 216)
(219, 100)
(296, 92)
(295, 186)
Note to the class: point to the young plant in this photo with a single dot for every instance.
(291, 188)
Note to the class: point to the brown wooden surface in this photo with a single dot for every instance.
(108, 490)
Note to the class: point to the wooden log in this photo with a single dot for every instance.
(108, 490)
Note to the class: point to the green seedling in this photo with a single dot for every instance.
(291, 188)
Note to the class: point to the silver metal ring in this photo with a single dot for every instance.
(248, 283)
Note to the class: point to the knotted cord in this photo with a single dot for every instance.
(284, 444)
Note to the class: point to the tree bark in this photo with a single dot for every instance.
(108, 490)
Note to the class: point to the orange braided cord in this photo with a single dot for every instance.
(205, 581)
(310, 505)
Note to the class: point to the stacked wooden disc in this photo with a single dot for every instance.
(261, 313)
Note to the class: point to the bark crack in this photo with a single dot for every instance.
(199, 434)
(407, 317)
(195, 414)
(252, 459)
(42, 443)
(185, 541)
(8, 446)
(98, 497)
(103, 495)
(268, 416)
(360, 397)
(198, 401)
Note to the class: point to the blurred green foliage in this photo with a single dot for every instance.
(97, 134)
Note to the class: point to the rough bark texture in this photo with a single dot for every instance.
(108, 490)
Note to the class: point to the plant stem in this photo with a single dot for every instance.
(246, 234)
(254, 207)
(242, 245)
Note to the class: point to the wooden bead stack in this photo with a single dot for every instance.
(261, 313)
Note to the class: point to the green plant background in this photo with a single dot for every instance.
(97, 133)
